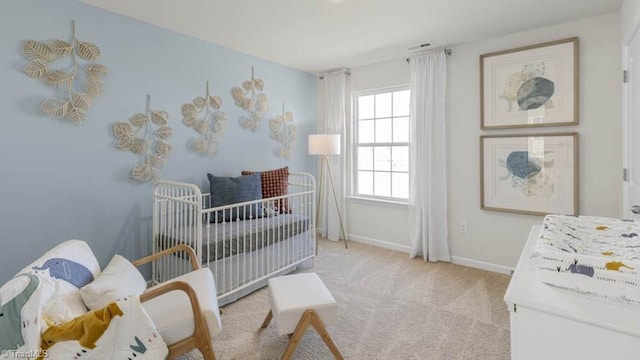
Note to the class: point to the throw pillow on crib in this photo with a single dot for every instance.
(274, 183)
(229, 191)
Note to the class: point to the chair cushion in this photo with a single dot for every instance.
(292, 295)
(172, 312)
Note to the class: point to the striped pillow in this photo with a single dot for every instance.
(274, 183)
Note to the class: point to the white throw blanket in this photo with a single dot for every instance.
(43, 302)
(123, 331)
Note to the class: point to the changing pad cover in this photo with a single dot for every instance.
(591, 255)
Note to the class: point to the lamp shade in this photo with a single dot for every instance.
(324, 144)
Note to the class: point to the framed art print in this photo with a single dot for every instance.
(529, 174)
(530, 86)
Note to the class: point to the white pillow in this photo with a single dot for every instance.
(118, 280)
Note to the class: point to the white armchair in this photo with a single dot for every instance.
(184, 309)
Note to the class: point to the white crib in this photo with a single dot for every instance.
(242, 254)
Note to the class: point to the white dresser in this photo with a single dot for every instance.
(552, 323)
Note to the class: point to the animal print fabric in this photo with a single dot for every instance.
(591, 255)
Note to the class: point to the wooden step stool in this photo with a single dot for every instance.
(298, 301)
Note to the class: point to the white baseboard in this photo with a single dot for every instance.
(481, 265)
(454, 259)
(380, 243)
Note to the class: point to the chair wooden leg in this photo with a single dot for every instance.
(206, 348)
(267, 320)
(310, 317)
(207, 353)
(198, 341)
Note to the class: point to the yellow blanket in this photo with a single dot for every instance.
(85, 329)
(121, 330)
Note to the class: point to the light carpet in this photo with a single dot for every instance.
(390, 307)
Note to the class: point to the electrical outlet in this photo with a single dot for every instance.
(463, 227)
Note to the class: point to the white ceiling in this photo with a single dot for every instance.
(319, 35)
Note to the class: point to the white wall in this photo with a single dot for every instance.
(629, 17)
(383, 225)
(495, 239)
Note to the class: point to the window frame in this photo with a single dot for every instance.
(354, 146)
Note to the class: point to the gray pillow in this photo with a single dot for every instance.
(230, 190)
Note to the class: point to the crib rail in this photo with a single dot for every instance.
(243, 243)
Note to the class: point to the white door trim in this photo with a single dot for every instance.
(626, 133)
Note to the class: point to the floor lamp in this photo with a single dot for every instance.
(325, 145)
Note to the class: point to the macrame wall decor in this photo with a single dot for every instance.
(283, 131)
(252, 100)
(138, 136)
(70, 103)
(205, 117)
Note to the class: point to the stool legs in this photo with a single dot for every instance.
(267, 320)
(319, 326)
(309, 318)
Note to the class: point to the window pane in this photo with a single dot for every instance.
(365, 131)
(365, 158)
(382, 158)
(382, 184)
(383, 130)
(400, 185)
(401, 129)
(365, 182)
(383, 105)
(400, 158)
(401, 103)
(365, 107)
(382, 119)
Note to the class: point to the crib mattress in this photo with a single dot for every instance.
(591, 255)
(221, 240)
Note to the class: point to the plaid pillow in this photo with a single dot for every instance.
(274, 183)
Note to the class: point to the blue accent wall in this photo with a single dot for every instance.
(60, 181)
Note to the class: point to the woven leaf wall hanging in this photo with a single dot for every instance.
(70, 103)
(204, 116)
(139, 135)
(252, 100)
(283, 131)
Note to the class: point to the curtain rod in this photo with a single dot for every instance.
(445, 50)
(346, 72)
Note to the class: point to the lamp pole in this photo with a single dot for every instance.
(325, 162)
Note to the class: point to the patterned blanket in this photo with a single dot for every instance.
(121, 330)
(42, 314)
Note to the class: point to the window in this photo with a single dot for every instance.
(381, 144)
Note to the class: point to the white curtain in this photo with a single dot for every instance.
(335, 93)
(428, 157)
